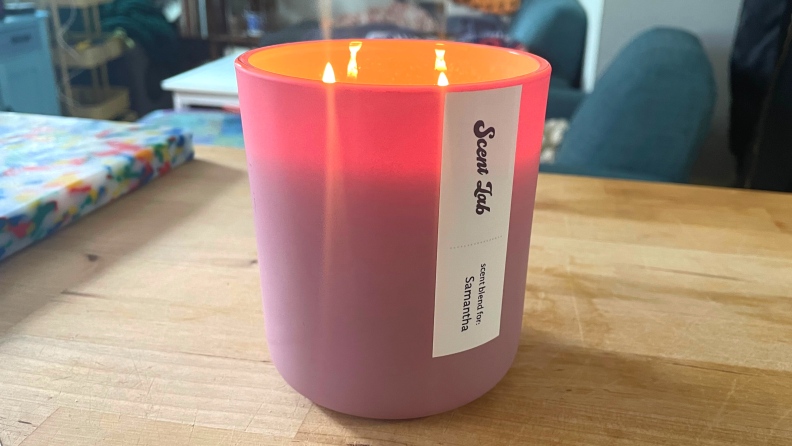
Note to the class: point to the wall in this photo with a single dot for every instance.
(613, 23)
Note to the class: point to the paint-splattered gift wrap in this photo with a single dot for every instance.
(54, 170)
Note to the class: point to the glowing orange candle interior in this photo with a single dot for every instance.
(394, 62)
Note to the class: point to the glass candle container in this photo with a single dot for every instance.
(393, 187)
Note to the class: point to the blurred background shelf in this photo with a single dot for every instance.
(99, 103)
(77, 3)
(227, 39)
(87, 49)
(99, 51)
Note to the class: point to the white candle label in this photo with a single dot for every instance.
(479, 144)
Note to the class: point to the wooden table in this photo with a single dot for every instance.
(655, 314)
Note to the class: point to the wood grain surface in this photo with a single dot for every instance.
(655, 315)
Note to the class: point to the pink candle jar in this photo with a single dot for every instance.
(393, 186)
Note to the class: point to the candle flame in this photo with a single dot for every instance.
(329, 76)
(442, 80)
(352, 68)
(440, 64)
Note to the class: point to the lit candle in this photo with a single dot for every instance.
(328, 76)
(385, 203)
(440, 64)
(352, 66)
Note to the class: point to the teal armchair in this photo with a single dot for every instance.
(556, 31)
(648, 114)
